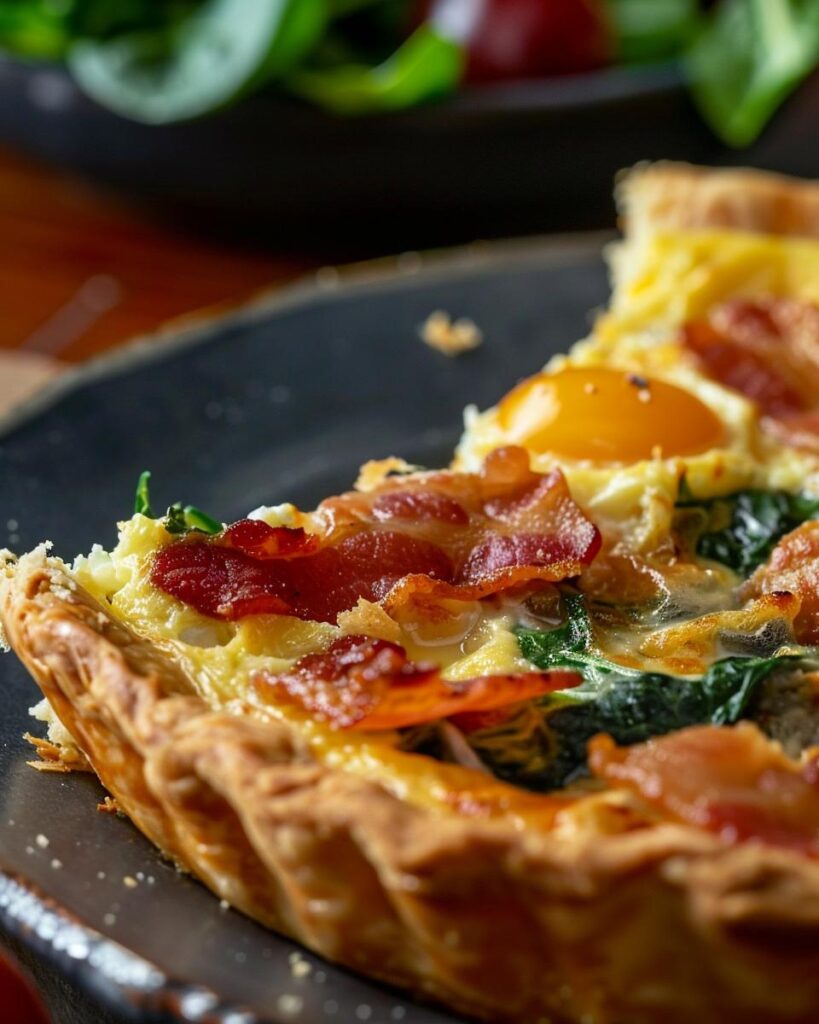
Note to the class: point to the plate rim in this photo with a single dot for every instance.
(92, 961)
(354, 279)
(601, 86)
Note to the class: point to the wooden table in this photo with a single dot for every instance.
(82, 272)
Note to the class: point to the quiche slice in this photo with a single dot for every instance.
(536, 736)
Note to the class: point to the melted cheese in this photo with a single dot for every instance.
(682, 276)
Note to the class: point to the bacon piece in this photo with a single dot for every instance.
(730, 781)
(229, 584)
(362, 683)
(433, 536)
(413, 506)
(768, 350)
(793, 567)
(254, 537)
(799, 430)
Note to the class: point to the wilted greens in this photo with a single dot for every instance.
(740, 530)
(543, 745)
(179, 518)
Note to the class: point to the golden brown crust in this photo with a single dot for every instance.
(677, 196)
(658, 924)
(667, 196)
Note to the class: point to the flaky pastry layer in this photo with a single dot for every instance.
(662, 923)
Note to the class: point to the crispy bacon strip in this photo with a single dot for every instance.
(362, 683)
(768, 350)
(441, 535)
(793, 568)
(730, 781)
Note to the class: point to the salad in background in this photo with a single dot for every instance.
(159, 61)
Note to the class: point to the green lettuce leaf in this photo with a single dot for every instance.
(751, 55)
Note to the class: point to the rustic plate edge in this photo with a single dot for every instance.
(362, 278)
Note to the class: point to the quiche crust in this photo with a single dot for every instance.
(508, 925)
(667, 197)
(681, 197)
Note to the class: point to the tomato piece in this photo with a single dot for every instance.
(520, 39)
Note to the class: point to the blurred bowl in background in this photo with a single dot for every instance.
(491, 161)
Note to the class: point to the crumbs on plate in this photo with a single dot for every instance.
(451, 337)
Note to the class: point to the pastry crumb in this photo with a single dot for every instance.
(450, 337)
(299, 967)
(42, 841)
(290, 1004)
(375, 472)
(56, 863)
(109, 806)
(57, 753)
(224, 905)
(129, 882)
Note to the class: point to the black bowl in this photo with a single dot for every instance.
(499, 160)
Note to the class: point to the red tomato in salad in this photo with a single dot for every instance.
(518, 39)
(18, 1003)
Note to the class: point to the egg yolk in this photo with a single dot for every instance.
(607, 416)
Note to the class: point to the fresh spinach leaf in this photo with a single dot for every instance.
(142, 498)
(749, 57)
(184, 518)
(741, 529)
(425, 66)
(653, 30)
(221, 50)
(36, 29)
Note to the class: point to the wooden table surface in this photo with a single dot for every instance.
(82, 272)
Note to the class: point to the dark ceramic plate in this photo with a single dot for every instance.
(281, 401)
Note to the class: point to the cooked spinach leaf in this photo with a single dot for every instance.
(740, 530)
(568, 646)
(179, 518)
(629, 705)
(184, 518)
(142, 498)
